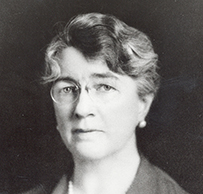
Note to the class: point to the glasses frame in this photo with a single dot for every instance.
(52, 96)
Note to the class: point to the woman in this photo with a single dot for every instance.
(104, 79)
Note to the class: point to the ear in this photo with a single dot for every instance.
(145, 104)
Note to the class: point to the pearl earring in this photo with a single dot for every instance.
(142, 124)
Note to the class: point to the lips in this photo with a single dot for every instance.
(77, 131)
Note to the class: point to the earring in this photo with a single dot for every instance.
(57, 127)
(142, 124)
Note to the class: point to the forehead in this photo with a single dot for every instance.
(73, 62)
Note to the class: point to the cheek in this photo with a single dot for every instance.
(63, 116)
(63, 124)
(123, 116)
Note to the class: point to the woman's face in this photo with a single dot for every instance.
(102, 121)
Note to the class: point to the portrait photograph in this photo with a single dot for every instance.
(101, 97)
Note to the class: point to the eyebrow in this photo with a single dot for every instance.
(67, 78)
(104, 75)
(107, 75)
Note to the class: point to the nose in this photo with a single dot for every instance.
(84, 106)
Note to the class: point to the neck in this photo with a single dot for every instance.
(113, 174)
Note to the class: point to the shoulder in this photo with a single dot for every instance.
(165, 183)
(60, 188)
(152, 180)
(40, 189)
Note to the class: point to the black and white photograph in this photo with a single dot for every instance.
(101, 97)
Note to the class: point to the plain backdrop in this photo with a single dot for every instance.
(31, 151)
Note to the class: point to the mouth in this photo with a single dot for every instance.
(78, 131)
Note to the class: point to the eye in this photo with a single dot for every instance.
(104, 88)
(65, 88)
(69, 89)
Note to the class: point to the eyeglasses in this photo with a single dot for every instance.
(68, 92)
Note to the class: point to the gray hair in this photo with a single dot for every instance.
(124, 49)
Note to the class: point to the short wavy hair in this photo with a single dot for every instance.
(124, 49)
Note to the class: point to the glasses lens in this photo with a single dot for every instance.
(64, 92)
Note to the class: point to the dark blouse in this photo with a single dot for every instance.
(152, 180)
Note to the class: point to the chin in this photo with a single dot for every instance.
(88, 153)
